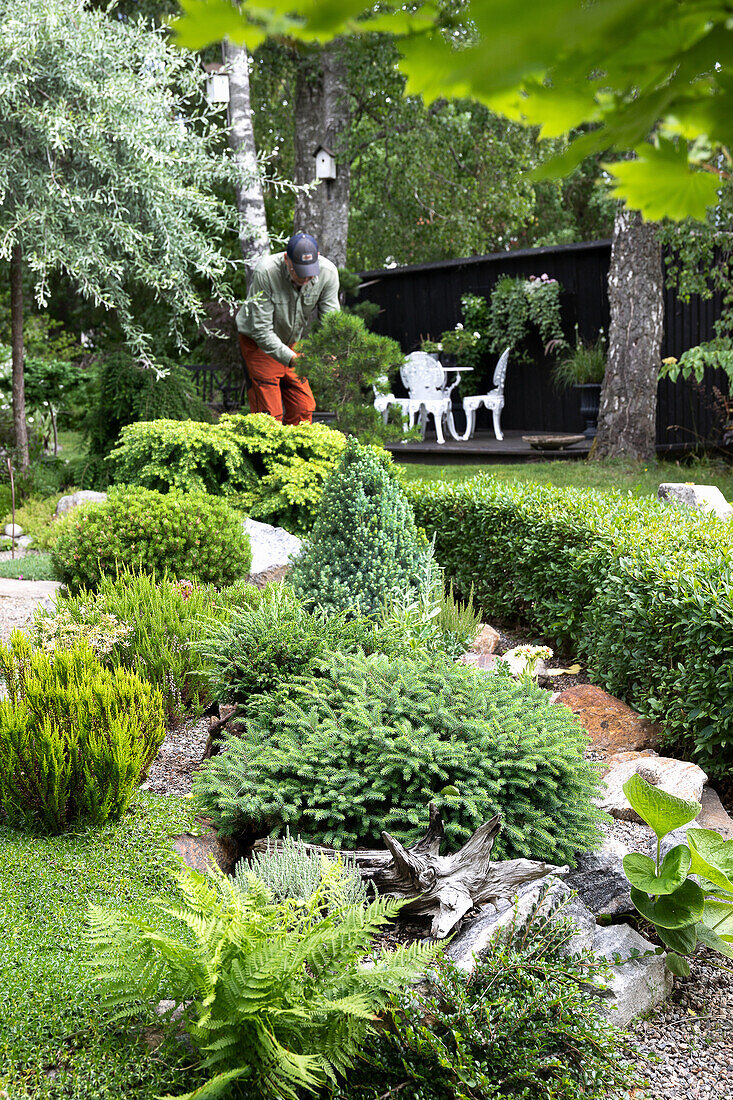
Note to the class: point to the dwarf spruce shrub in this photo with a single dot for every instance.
(643, 589)
(75, 738)
(370, 743)
(191, 536)
(365, 546)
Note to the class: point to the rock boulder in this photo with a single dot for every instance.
(611, 725)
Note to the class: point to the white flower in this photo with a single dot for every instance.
(459, 327)
(477, 335)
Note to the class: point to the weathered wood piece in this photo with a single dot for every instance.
(446, 887)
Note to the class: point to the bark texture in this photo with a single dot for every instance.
(321, 117)
(18, 354)
(253, 235)
(444, 887)
(627, 417)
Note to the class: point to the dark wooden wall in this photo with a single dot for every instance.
(425, 300)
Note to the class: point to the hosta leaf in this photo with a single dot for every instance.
(712, 857)
(718, 917)
(641, 871)
(713, 940)
(681, 940)
(684, 906)
(677, 965)
(663, 812)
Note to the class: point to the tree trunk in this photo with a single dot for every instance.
(253, 235)
(321, 118)
(627, 417)
(18, 355)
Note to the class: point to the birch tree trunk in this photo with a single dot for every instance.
(18, 355)
(253, 235)
(321, 117)
(628, 411)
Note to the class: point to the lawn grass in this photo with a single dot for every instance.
(31, 567)
(55, 1041)
(639, 479)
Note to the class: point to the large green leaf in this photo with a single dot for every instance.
(641, 871)
(662, 812)
(681, 940)
(712, 857)
(678, 965)
(662, 184)
(712, 939)
(718, 917)
(685, 906)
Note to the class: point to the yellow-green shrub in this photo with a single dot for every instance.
(75, 738)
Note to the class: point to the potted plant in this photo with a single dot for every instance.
(583, 369)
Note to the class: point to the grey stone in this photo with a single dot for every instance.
(472, 942)
(637, 985)
(83, 496)
(706, 498)
(25, 541)
(600, 881)
(13, 530)
(676, 777)
(271, 546)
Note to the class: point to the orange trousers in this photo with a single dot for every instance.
(276, 389)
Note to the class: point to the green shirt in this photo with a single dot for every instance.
(277, 313)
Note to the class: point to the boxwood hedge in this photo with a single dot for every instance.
(642, 589)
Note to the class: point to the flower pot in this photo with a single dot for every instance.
(590, 402)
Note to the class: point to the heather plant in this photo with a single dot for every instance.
(365, 547)
(525, 1023)
(275, 996)
(193, 536)
(290, 870)
(147, 624)
(366, 745)
(75, 737)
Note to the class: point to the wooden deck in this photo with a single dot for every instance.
(483, 448)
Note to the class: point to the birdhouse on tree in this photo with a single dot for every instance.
(325, 163)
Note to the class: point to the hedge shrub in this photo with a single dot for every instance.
(191, 536)
(75, 738)
(276, 471)
(643, 589)
(365, 547)
(368, 744)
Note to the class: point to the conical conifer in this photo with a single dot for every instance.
(365, 546)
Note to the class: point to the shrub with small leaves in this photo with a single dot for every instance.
(75, 738)
(526, 1023)
(365, 547)
(371, 741)
(193, 536)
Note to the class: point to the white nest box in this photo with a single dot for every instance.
(217, 85)
(325, 163)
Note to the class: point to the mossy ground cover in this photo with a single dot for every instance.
(639, 479)
(55, 1041)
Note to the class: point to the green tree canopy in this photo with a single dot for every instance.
(101, 179)
(650, 77)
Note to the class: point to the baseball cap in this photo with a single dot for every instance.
(302, 251)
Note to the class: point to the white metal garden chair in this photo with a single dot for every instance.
(424, 379)
(493, 400)
(383, 398)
